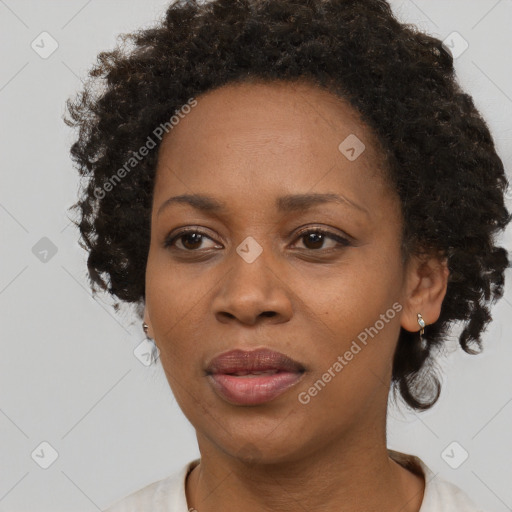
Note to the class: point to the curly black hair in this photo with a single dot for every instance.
(440, 154)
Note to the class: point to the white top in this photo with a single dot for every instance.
(168, 495)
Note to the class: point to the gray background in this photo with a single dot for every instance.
(68, 372)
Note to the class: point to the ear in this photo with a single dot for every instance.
(147, 321)
(425, 288)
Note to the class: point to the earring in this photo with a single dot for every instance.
(420, 321)
(155, 353)
(422, 324)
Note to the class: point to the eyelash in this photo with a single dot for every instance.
(344, 242)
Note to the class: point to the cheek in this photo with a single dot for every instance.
(353, 295)
(171, 303)
(171, 291)
(357, 310)
(352, 360)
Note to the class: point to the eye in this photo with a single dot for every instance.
(314, 239)
(190, 240)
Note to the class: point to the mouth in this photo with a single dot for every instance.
(252, 378)
(246, 373)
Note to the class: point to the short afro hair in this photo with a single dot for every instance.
(439, 152)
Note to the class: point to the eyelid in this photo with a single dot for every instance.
(329, 231)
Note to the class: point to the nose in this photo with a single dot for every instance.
(255, 292)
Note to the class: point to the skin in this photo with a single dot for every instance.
(247, 145)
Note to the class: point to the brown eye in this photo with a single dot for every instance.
(190, 240)
(314, 239)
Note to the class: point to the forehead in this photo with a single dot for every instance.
(258, 137)
(290, 111)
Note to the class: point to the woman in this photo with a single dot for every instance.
(303, 202)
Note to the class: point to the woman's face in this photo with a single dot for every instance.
(257, 274)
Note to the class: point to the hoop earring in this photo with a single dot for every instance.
(422, 325)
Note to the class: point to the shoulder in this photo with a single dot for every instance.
(444, 495)
(163, 495)
(440, 495)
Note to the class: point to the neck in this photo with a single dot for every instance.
(347, 477)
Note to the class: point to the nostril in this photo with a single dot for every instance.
(268, 313)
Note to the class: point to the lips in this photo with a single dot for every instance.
(255, 377)
(240, 362)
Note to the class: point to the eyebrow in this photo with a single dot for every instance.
(288, 203)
